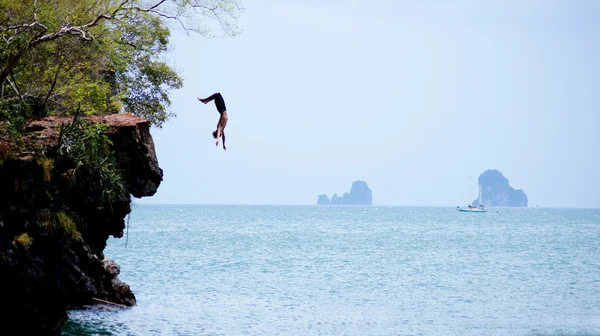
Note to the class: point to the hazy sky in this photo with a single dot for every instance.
(411, 96)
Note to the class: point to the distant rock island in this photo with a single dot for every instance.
(495, 191)
(323, 200)
(360, 194)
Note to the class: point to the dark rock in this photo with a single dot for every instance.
(496, 191)
(120, 290)
(51, 250)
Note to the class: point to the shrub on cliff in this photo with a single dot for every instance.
(87, 144)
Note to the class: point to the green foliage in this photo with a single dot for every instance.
(88, 144)
(46, 219)
(69, 226)
(113, 185)
(24, 239)
(46, 164)
(12, 121)
(83, 142)
(99, 56)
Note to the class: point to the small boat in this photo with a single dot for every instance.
(480, 208)
(470, 208)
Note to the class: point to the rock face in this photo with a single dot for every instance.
(496, 191)
(51, 249)
(360, 194)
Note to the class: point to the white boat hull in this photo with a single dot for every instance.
(472, 210)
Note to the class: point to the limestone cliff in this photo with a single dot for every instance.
(496, 191)
(360, 194)
(56, 216)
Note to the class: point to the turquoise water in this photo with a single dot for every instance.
(308, 270)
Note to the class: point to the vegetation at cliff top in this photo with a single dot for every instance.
(96, 56)
(87, 144)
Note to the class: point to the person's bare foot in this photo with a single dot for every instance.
(202, 100)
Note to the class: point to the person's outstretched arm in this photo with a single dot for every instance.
(218, 135)
(223, 135)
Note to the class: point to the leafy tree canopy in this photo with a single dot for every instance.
(97, 56)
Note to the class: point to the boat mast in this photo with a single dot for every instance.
(469, 189)
(480, 187)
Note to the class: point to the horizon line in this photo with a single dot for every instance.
(351, 205)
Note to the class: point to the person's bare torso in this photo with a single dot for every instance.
(222, 121)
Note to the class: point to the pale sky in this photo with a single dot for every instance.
(412, 97)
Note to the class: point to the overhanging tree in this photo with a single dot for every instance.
(98, 56)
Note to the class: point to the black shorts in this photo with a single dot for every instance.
(220, 103)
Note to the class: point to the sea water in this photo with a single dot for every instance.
(341, 270)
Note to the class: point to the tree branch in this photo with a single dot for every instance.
(35, 10)
(53, 84)
(158, 4)
(22, 27)
(172, 17)
(14, 86)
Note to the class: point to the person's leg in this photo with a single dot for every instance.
(209, 98)
(219, 102)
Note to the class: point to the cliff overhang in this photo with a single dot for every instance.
(56, 214)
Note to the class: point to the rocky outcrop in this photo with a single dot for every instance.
(323, 200)
(496, 191)
(360, 194)
(55, 219)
